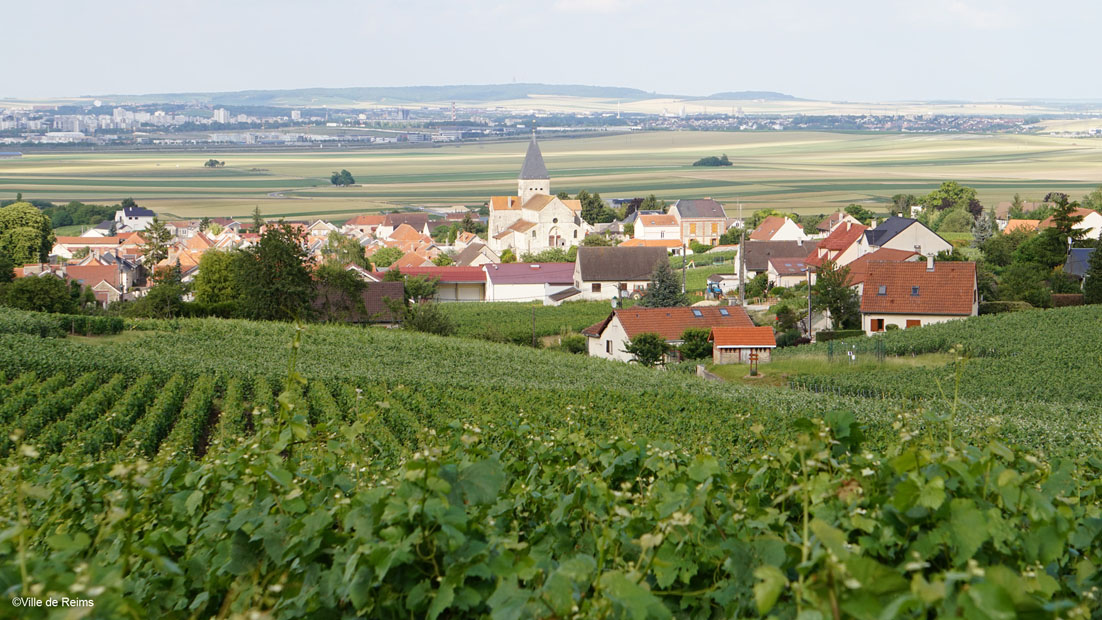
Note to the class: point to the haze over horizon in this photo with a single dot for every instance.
(856, 50)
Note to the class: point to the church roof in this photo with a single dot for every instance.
(534, 167)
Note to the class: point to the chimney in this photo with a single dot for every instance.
(929, 262)
(872, 224)
(848, 224)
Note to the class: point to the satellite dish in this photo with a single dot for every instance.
(97, 103)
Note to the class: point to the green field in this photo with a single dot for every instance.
(807, 172)
(207, 467)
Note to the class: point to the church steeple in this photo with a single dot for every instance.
(534, 178)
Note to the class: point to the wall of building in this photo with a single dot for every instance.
(614, 333)
(608, 289)
(741, 355)
(461, 291)
(901, 319)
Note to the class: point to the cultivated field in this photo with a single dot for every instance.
(808, 172)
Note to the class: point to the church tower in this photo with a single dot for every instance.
(534, 179)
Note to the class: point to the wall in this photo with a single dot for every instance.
(740, 355)
(901, 319)
(613, 332)
(462, 291)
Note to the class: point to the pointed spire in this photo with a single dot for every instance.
(534, 168)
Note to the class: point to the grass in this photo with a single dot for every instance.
(807, 172)
(777, 373)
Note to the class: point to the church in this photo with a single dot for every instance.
(534, 220)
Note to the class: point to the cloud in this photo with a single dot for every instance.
(981, 18)
(591, 6)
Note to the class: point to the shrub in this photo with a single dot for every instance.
(574, 343)
(839, 334)
(891, 328)
(995, 307)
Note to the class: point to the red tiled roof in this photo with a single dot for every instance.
(768, 227)
(88, 240)
(366, 220)
(91, 275)
(651, 243)
(670, 323)
(950, 288)
(859, 269)
(405, 232)
(743, 336)
(843, 237)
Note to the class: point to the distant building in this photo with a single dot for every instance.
(133, 218)
(222, 115)
(703, 221)
(907, 294)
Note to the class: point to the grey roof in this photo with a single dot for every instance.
(758, 253)
(104, 225)
(534, 168)
(1078, 262)
(417, 221)
(137, 212)
(705, 207)
(566, 293)
(887, 230)
(607, 264)
(472, 252)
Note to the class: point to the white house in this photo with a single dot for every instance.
(1091, 224)
(610, 337)
(655, 226)
(902, 233)
(608, 272)
(133, 219)
(777, 228)
(912, 294)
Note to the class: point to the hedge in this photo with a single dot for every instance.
(839, 334)
(995, 307)
(47, 325)
(1059, 300)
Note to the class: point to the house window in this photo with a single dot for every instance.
(697, 313)
(608, 347)
(692, 229)
(913, 323)
(533, 234)
(877, 325)
(914, 291)
(554, 220)
(596, 287)
(724, 312)
(882, 290)
(715, 228)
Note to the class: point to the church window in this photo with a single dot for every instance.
(533, 234)
(554, 220)
(575, 234)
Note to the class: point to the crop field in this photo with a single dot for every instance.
(806, 172)
(211, 467)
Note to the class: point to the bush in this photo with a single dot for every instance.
(891, 328)
(792, 338)
(1060, 300)
(428, 318)
(839, 334)
(996, 307)
(575, 343)
(198, 309)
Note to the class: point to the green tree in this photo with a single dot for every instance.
(1092, 283)
(442, 260)
(340, 292)
(955, 221)
(652, 203)
(385, 257)
(695, 345)
(664, 290)
(1093, 200)
(204, 224)
(949, 195)
(165, 299)
(344, 250)
(647, 349)
(342, 178)
(1049, 249)
(274, 276)
(832, 293)
(508, 256)
(26, 233)
(759, 216)
(859, 213)
(7, 268)
(597, 240)
(903, 203)
(594, 209)
(421, 288)
(424, 317)
(1065, 218)
(1026, 282)
(757, 285)
(215, 283)
(41, 294)
(983, 228)
(157, 241)
(258, 221)
(999, 249)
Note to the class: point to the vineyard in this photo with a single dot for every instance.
(513, 322)
(208, 468)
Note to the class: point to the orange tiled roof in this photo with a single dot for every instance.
(842, 237)
(1048, 223)
(405, 232)
(658, 220)
(909, 288)
(651, 243)
(90, 275)
(88, 240)
(1028, 225)
(743, 336)
(768, 227)
(670, 323)
(366, 220)
(504, 203)
(859, 269)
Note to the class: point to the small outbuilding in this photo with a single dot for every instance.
(734, 345)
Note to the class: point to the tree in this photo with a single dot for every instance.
(831, 292)
(983, 228)
(1093, 200)
(999, 249)
(41, 294)
(470, 225)
(214, 163)
(648, 349)
(157, 239)
(757, 285)
(340, 292)
(594, 209)
(165, 299)
(664, 290)
(694, 343)
(385, 257)
(904, 202)
(1064, 217)
(215, 282)
(759, 216)
(859, 213)
(1092, 283)
(258, 221)
(713, 161)
(597, 240)
(273, 276)
(204, 224)
(7, 268)
(128, 203)
(421, 288)
(26, 233)
(342, 178)
(344, 250)
(508, 256)
(955, 221)
(950, 194)
(425, 317)
(652, 203)
(1049, 249)
(442, 260)
(1026, 282)
(562, 195)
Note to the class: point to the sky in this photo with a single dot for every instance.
(845, 50)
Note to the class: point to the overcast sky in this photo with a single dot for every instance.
(857, 50)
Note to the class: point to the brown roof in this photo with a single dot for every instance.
(859, 269)
(658, 219)
(366, 220)
(538, 202)
(405, 232)
(909, 288)
(504, 203)
(830, 221)
(88, 240)
(417, 221)
(606, 264)
(743, 336)
(651, 243)
(670, 323)
(90, 275)
(758, 253)
(412, 259)
(1002, 210)
(768, 227)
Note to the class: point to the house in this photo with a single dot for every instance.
(412, 259)
(66, 247)
(652, 226)
(333, 305)
(1091, 224)
(453, 283)
(362, 225)
(903, 233)
(758, 254)
(527, 281)
(465, 239)
(133, 218)
(108, 282)
(610, 337)
(1026, 225)
(859, 269)
(734, 345)
(476, 255)
(703, 221)
(417, 221)
(907, 294)
(182, 229)
(840, 247)
(673, 246)
(777, 228)
(608, 272)
(106, 228)
(788, 272)
(834, 220)
(1078, 262)
(533, 220)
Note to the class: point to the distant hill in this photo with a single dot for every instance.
(742, 95)
(396, 95)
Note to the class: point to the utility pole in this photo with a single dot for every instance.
(533, 326)
(741, 257)
(808, 268)
(684, 261)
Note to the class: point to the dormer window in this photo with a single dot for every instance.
(914, 291)
(882, 290)
(697, 313)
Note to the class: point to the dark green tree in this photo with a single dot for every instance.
(1048, 249)
(664, 290)
(26, 233)
(832, 293)
(215, 283)
(903, 203)
(1026, 282)
(1092, 283)
(342, 178)
(652, 203)
(385, 257)
(421, 288)
(340, 293)
(694, 343)
(648, 349)
(442, 260)
(165, 299)
(950, 194)
(859, 213)
(7, 268)
(258, 221)
(157, 240)
(204, 224)
(999, 249)
(42, 294)
(344, 250)
(597, 240)
(274, 276)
